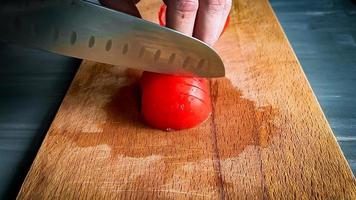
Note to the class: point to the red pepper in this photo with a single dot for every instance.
(172, 102)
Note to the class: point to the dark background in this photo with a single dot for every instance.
(33, 83)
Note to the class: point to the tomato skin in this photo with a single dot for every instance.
(172, 102)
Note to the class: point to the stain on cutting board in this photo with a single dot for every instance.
(180, 155)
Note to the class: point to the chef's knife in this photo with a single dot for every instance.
(86, 30)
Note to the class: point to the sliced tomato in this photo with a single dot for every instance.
(174, 102)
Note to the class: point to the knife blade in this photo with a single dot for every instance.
(86, 30)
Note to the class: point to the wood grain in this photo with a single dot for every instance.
(267, 137)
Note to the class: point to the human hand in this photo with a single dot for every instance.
(202, 19)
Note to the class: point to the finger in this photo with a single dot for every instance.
(126, 6)
(226, 14)
(180, 15)
(210, 20)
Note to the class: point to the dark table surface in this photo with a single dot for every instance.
(323, 35)
(33, 83)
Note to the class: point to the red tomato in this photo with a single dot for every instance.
(174, 102)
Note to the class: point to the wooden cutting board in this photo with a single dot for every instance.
(267, 137)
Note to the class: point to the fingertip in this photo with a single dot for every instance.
(211, 18)
(181, 14)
